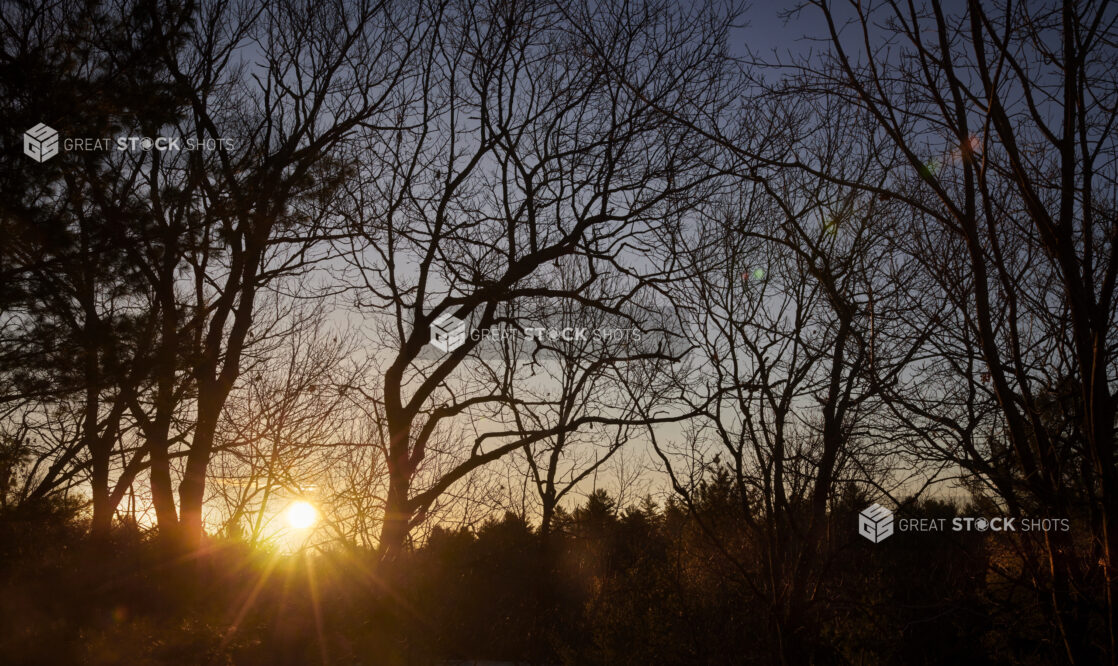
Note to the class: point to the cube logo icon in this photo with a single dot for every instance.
(875, 523)
(40, 143)
(448, 332)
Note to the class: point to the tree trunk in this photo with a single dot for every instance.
(192, 490)
(103, 509)
(544, 587)
(162, 493)
(397, 517)
(99, 454)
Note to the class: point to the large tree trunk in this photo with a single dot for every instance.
(157, 433)
(215, 381)
(192, 489)
(397, 517)
(162, 492)
(103, 509)
(166, 366)
(99, 454)
(544, 585)
(390, 550)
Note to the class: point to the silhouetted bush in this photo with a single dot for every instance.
(612, 586)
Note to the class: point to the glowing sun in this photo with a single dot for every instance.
(301, 515)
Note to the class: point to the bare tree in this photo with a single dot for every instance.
(999, 125)
(255, 207)
(517, 152)
(781, 302)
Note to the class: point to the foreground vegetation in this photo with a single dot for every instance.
(635, 586)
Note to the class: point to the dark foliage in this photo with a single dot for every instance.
(634, 586)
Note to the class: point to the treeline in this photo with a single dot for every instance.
(643, 584)
(649, 585)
